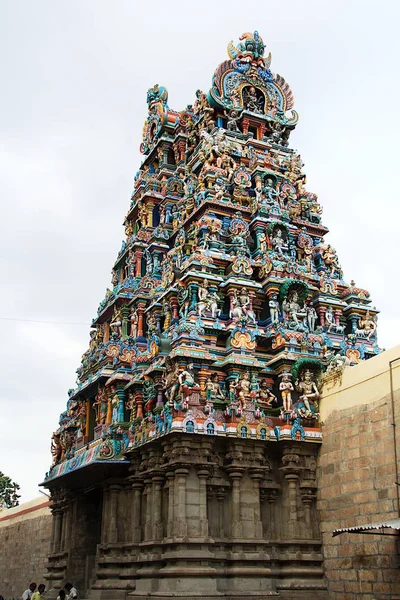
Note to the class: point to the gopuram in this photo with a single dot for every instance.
(185, 462)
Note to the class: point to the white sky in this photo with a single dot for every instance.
(74, 79)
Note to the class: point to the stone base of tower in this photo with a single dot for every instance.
(195, 516)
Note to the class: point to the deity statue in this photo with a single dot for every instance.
(161, 212)
(308, 391)
(114, 404)
(131, 406)
(232, 118)
(262, 240)
(56, 448)
(100, 406)
(274, 308)
(366, 326)
(213, 390)
(266, 397)
(116, 322)
(329, 318)
(331, 261)
(312, 317)
(186, 380)
(270, 192)
(286, 388)
(171, 382)
(243, 388)
(142, 214)
(134, 323)
(278, 242)
(292, 308)
(241, 306)
(149, 262)
(252, 102)
(166, 313)
(208, 300)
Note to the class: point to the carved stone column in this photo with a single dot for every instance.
(221, 494)
(157, 504)
(136, 515)
(138, 263)
(57, 521)
(113, 513)
(104, 515)
(291, 469)
(171, 502)
(256, 475)
(66, 525)
(308, 495)
(180, 524)
(203, 474)
(175, 307)
(140, 310)
(236, 475)
(149, 506)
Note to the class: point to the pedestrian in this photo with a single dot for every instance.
(39, 594)
(61, 595)
(72, 593)
(28, 593)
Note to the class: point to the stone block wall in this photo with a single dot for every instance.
(25, 534)
(356, 486)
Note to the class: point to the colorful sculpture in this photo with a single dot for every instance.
(224, 262)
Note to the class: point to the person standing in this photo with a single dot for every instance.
(28, 593)
(61, 595)
(72, 593)
(38, 595)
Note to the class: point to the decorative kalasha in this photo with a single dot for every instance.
(227, 305)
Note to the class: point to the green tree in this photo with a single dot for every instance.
(8, 492)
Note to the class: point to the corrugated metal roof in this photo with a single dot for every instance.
(389, 524)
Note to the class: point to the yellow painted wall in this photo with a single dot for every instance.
(364, 383)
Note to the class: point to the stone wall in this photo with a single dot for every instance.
(356, 483)
(25, 533)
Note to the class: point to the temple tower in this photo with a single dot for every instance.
(185, 462)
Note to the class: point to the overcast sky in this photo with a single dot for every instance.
(74, 77)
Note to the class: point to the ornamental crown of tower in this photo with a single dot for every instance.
(227, 310)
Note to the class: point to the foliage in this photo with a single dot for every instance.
(8, 492)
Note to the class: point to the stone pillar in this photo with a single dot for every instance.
(136, 530)
(140, 310)
(125, 320)
(65, 537)
(235, 476)
(256, 475)
(308, 497)
(175, 307)
(321, 313)
(148, 515)
(138, 263)
(57, 516)
(157, 505)
(171, 503)
(121, 403)
(337, 314)
(202, 376)
(112, 535)
(203, 474)
(104, 516)
(193, 287)
(180, 524)
(221, 511)
(291, 469)
(271, 498)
